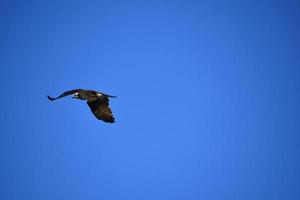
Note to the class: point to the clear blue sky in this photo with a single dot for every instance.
(207, 108)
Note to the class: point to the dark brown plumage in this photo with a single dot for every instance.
(97, 101)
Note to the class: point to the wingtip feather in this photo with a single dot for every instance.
(50, 98)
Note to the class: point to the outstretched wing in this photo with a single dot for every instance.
(101, 110)
(64, 94)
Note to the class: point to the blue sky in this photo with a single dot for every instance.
(207, 107)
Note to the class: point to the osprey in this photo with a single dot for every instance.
(97, 101)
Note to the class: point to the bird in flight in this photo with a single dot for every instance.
(97, 101)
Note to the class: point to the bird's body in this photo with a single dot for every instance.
(97, 101)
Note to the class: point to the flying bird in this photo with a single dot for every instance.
(97, 101)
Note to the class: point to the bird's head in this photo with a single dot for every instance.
(75, 96)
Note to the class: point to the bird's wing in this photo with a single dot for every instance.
(101, 110)
(66, 93)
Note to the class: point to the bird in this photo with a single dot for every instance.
(97, 101)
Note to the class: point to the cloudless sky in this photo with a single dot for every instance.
(207, 108)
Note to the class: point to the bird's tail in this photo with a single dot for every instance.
(110, 96)
(107, 95)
